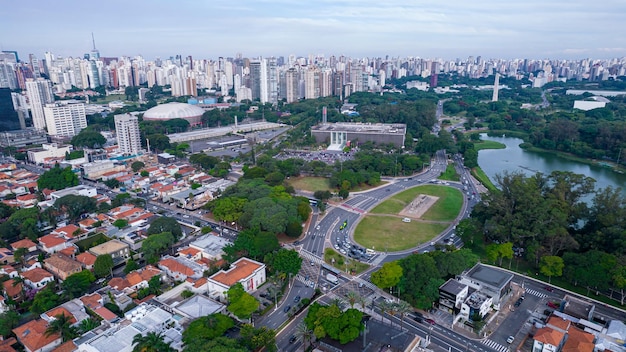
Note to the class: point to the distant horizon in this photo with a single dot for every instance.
(556, 30)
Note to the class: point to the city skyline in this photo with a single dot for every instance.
(532, 29)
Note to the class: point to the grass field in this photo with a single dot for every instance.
(450, 174)
(342, 263)
(445, 209)
(310, 184)
(488, 145)
(481, 176)
(391, 234)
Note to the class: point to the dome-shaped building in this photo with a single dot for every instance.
(169, 111)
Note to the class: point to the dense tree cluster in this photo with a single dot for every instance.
(88, 138)
(564, 227)
(75, 205)
(241, 303)
(331, 322)
(57, 178)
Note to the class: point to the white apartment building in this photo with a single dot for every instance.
(39, 93)
(65, 120)
(127, 131)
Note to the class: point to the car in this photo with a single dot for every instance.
(548, 288)
(361, 284)
(430, 321)
(336, 246)
(312, 284)
(317, 227)
(296, 299)
(552, 305)
(522, 297)
(418, 319)
(293, 339)
(517, 303)
(510, 339)
(286, 309)
(186, 216)
(312, 263)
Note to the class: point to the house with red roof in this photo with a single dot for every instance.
(86, 259)
(180, 268)
(139, 278)
(25, 243)
(37, 278)
(53, 243)
(32, 336)
(13, 290)
(6, 256)
(69, 231)
(27, 200)
(248, 272)
(548, 339)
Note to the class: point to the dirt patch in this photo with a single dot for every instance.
(419, 206)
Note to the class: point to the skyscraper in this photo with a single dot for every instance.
(272, 73)
(259, 80)
(65, 120)
(39, 93)
(9, 119)
(292, 80)
(127, 131)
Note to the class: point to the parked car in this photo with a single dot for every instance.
(293, 339)
(510, 339)
(548, 288)
(552, 305)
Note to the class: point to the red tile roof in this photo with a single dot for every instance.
(242, 269)
(92, 301)
(36, 275)
(68, 346)
(25, 243)
(86, 258)
(67, 231)
(52, 313)
(176, 266)
(12, 291)
(105, 313)
(50, 241)
(33, 334)
(549, 336)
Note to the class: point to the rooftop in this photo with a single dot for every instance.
(239, 270)
(109, 247)
(199, 306)
(33, 334)
(490, 276)
(378, 128)
(210, 244)
(453, 287)
(63, 263)
(549, 336)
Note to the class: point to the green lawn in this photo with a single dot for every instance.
(488, 145)
(310, 184)
(391, 234)
(482, 177)
(446, 208)
(450, 174)
(342, 263)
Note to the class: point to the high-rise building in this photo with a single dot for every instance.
(292, 80)
(127, 131)
(259, 80)
(311, 83)
(39, 93)
(9, 120)
(8, 78)
(65, 120)
(272, 73)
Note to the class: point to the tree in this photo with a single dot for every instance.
(62, 325)
(551, 265)
(8, 320)
(88, 138)
(207, 328)
(402, 309)
(303, 331)
(88, 325)
(112, 183)
(155, 245)
(77, 284)
(166, 224)
(285, 261)
(322, 195)
(137, 165)
(130, 266)
(159, 142)
(241, 303)
(257, 338)
(387, 276)
(57, 178)
(45, 300)
(120, 223)
(252, 243)
(103, 265)
(152, 342)
(19, 254)
(76, 205)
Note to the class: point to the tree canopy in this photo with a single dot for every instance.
(77, 284)
(76, 205)
(166, 224)
(155, 245)
(241, 303)
(207, 328)
(284, 260)
(332, 322)
(57, 178)
(388, 275)
(88, 138)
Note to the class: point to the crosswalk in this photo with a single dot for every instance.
(530, 291)
(496, 346)
(310, 257)
(366, 283)
(308, 283)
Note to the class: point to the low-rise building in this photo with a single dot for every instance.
(6, 256)
(180, 268)
(33, 337)
(25, 243)
(86, 259)
(37, 278)
(452, 294)
(493, 282)
(47, 150)
(62, 266)
(210, 246)
(118, 250)
(53, 243)
(250, 273)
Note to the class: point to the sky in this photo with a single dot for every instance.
(447, 29)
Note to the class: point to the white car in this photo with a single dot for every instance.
(186, 216)
(510, 339)
(343, 251)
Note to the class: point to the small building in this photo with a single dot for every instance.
(452, 294)
(250, 273)
(492, 282)
(53, 243)
(181, 268)
(37, 278)
(476, 305)
(25, 243)
(62, 266)
(13, 290)
(86, 259)
(548, 339)
(32, 336)
(6, 256)
(210, 246)
(48, 150)
(165, 158)
(578, 308)
(339, 134)
(118, 250)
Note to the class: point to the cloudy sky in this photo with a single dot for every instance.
(568, 29)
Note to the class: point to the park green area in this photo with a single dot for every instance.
(310, 184)
(446, 208)
(384, 230)
(390, 233)
(340, 262)
(450, 174)
(488, 145)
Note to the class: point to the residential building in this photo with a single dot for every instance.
(13, 290)
(86, 259)
(23, 138)
(9, 119)
(250, 273)
(548, 339)
(127, 132)
(118, 250)
(80, 190)
(47, 150)
(181, 268)
(6, 256)
(452, 294)
(53, 243)
(33, 337)
(492, 282)
(37, 278)
(139, 278)
(24, 243)
(62, 266)
(209, 246)
(39, 93)
(65, 120)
